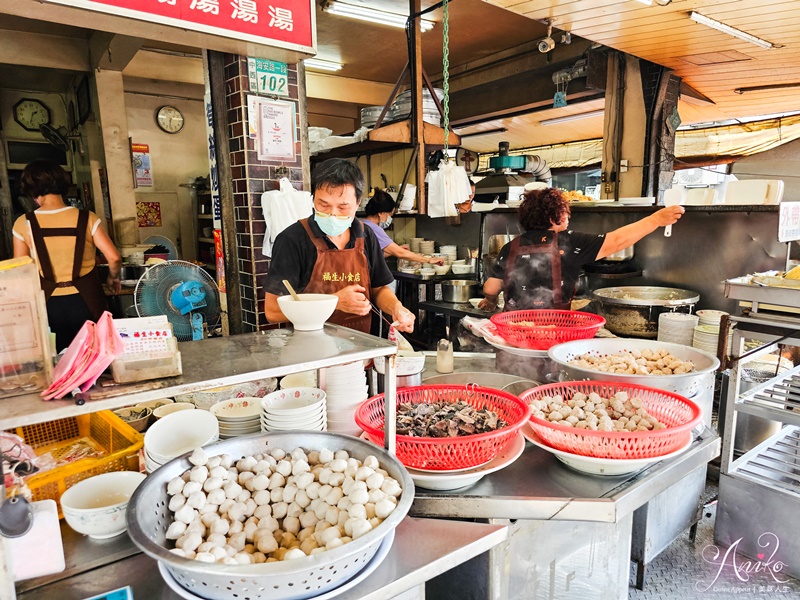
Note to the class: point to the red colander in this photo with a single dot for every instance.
(679, 414)
(444, 454)
(552, 327)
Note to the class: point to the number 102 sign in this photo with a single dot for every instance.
(268, 76)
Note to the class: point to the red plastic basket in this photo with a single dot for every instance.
(444, 454)
(679, 414)
(552, 327)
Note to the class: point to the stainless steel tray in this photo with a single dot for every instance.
(743, 288)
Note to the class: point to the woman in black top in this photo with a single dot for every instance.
(540, 268)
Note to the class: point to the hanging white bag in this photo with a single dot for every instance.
(447, 187)
(283, 207)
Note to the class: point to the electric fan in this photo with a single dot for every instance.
(182, 291)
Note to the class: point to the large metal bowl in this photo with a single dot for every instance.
(633, 311)
(148, 518)
(686, 384)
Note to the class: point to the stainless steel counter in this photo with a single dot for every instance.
(421, 550)
(539, 486)
(211, 363)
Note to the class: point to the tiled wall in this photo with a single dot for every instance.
(252, 177)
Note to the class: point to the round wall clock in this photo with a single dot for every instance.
(169, 119)
(30, 113)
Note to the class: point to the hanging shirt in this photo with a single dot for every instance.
(530, 284)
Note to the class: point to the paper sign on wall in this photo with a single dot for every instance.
(276, 130)
(141, 165)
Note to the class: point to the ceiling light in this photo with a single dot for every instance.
(372, 15)
(486, 132)
(575, 117)
(762, 88)
(322, 65)
(737, 33)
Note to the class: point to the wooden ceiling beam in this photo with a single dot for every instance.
(47, 51)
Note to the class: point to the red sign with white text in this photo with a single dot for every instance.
(283, 23)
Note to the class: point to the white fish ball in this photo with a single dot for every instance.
(267, 544)
(189, 542)
(175, 530)
(221, 526)
(284, 467)
(196, 500)
(175, 486)
(312, 489)
(243, 558)
(308, 519)
(324, 476)
(185, 514)
(262, 511)
(226, 505)
(292, 525)
(276, 480)
(198, 457)
(243, 496)
(205, 557)
(176, 502)
(218, 471)
(338, 465)
(294, 510)
(199, 474)
(216, 497)
(359, 496)
(361, 527)
(302, 499)
(236, 527)
(383, 508)
(277, 454)
(279, 510)
(371, 462)
(262, 497)
(293, 554)
(191, 487)
(375, 481)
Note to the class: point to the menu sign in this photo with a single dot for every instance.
(789, 222)
(282, 23)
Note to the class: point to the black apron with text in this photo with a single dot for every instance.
(334, 270)
(524, 294)
(88, 286)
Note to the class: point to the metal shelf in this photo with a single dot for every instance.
(774, 463)
(778, 399)
(236, 359)
(206, 240)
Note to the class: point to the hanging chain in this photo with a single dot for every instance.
(446, 75)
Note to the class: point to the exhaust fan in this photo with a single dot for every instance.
(61, 138)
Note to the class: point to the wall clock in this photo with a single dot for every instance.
(30, 113)
(169, 119)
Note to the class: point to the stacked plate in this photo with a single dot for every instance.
(291, 409)
(415, 243)
(238, 416)
(177, 434)
(450, 252)
(346, 388)
(706, 333)
(676, 328)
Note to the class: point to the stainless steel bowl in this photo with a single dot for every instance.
(459, 290)
(624, 254)
(496, 243)
(686, 384)
(148, 518)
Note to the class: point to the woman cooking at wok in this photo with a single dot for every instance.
(540, 268)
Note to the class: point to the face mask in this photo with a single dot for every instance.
(385, 224)
(332, 226)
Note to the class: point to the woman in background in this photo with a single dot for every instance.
(63, 241)
(379, 211)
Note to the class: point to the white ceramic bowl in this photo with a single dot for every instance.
(294, 419)
(475, 301)
(302, 379)
(154, 404)
(168, 409)
(311, 312)
(441, 269)
(237, 408)
(138, 424)
(96, 506)
(293, 401)
(317, 425)
(177, 434)
(461, 269)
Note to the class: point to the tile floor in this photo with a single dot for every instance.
(683, 572)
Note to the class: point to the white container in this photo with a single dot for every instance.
(96, 506)
(167, 409)
(293, 401)
(180, 433)
(303, 379)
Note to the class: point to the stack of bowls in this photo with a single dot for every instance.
(176, 434)
(427, 247)
(450, 253)
(346, 387)
(415, 244)
(167, 409)
(289, 409)
(706, 333)
(238, 416)
(676, 328)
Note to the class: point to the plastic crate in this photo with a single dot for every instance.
(106, 430)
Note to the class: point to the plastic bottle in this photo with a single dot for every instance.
(444, 356)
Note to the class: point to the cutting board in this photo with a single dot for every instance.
(40, 551)
(754, 191)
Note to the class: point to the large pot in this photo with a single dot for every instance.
(459, 290)
(496, 243)
(686, 384)
(633, 311)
